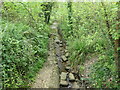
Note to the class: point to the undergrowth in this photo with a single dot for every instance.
(24, 50)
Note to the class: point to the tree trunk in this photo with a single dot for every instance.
(47, 8)
(70, 16)
(117, 43)
(107, 23)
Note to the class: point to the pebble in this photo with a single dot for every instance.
(75, 85)
(63, 75)
(60, 42)
(71, 77)
(67, 68)
(61, 45)
(67, 54)
(57, 41)
(66, 51)
(64, 58)
(63, 83)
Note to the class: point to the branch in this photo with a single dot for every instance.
(28, 11)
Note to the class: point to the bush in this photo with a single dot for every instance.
(23, 52)
(103, 73)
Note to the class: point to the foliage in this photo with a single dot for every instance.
(25, 32)
(23, 48)
(24, 43)
(103, 73)
(91, 35)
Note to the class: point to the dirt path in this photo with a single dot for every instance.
(88, 64)
(85, 75)
(48, 76)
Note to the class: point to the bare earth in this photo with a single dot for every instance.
(48, 77)
(88, 64)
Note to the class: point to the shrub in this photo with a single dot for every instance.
(23, 53)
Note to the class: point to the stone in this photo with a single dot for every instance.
(67, 54)
(63, 75)
(73, 71)
(71, 77)
(75, 85)
(57, 41)
(67, 67)
(61, 45)
(64, 58)
(77, 80)
(66, 51)
(63, 83)
(60, 42)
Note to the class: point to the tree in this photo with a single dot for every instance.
(107, 22)
(117, 42)
(70, 16)
(47, 8)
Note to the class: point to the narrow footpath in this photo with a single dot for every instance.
(48, 76)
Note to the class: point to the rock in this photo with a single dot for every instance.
(77, 80)
(67, 67)
(75, 85)
(67, 54)
(62, 51)
(64, 58)
(70, 85)
(63, 83)
(74, 71)
(63, 75)
(66, 51)
(60, 42)
(57, 41)
(71, 77)
(61, 45)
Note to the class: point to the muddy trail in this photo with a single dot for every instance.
(57, 71)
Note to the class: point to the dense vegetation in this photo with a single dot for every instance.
(24, 43)
(89, 29)
(93, 32)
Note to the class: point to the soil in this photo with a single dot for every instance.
(48, 76)
(88, 63)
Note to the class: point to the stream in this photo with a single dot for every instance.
(68, 78)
